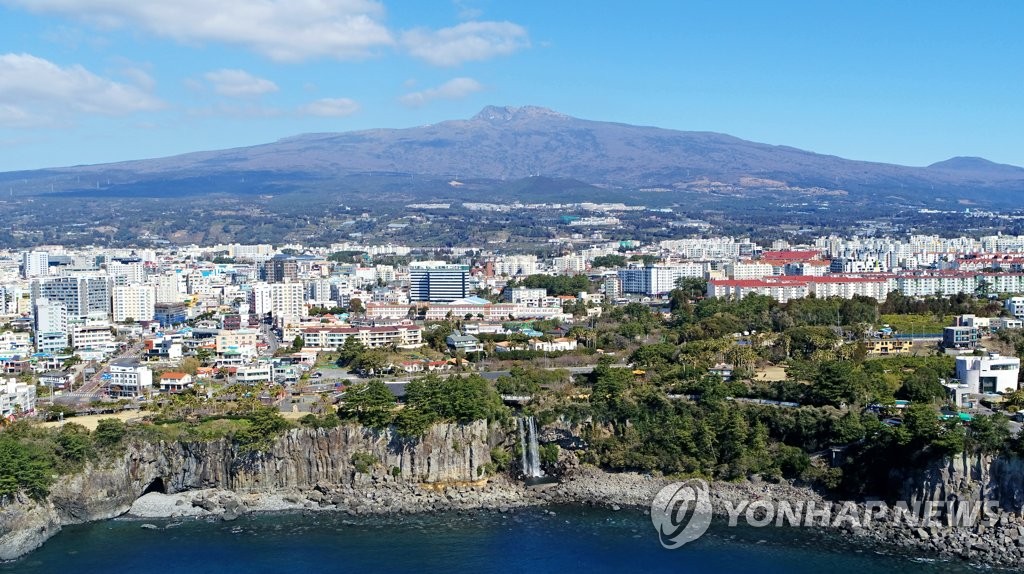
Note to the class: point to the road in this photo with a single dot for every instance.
(92, 388)
(271, 339)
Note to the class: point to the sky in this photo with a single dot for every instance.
(93, 81)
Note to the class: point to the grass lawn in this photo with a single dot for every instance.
(917, 324)
(207, 430)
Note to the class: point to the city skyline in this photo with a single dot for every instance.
(92, 82)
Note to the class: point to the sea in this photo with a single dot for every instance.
(557, 539)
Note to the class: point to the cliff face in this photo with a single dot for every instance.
(301, 459)
(969, 477)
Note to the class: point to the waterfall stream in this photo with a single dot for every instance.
(530, 450)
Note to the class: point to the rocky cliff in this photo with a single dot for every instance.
(971, 477)
(301, 459)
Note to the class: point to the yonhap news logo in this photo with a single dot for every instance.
(681, 512)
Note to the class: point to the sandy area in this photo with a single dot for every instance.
(90, 421)
(770, 374)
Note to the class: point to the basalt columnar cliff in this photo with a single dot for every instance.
(300, 460)
(308, 469)
(502, 144)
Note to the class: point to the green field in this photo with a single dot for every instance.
(916, 324)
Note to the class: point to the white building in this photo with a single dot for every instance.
(136, 302)
(990, 374)
(283, 300)
(254, 374)
(657, 279)
(81, 294)
(570, 264)
(371, 337)
(169, 288)
(92, 336)
(529, 297)
(741, 270)
(612, 288)
(1015, 305)
(16, 398)
(129, 271)
(514, 265)
(51, 325)
(35, 264)
(553, 346)
(129, 379)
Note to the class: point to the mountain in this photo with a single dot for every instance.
(977, 165)
(511, 143)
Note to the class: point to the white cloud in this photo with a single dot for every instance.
(238, 83)
(34, 91)
(451, 90)
(466, 42)
(330, 108)
(283, 30)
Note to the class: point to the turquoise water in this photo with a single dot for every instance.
(574, 539)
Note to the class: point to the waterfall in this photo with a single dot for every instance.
(530, 451)
(535, 470)
(522, 447)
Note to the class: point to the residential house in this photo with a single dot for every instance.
(172, 382)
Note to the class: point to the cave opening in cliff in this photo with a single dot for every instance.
(156, 486)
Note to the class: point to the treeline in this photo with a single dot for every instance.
(428, 400)
(694, 425)
(31, 457)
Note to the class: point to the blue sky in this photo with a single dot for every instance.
(90, 81)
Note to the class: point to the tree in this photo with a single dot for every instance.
(692, 287)
(189, 365)
(25, 466)
(372, 361)
(355, 305)
(350, 351)
(922, 386)
(609, 261)
(370, 404)
(203, 355)
(298, 343)
(265, 424)
(109, 432)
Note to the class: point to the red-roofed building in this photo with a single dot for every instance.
(172, 382)
(790, 255)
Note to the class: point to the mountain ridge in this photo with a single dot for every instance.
(506, 143)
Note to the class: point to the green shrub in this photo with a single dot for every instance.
(109, 432)
(364, 462)
(500, 458)
(549, 454)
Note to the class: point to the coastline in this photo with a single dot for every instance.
(316, 470)
(585, 485)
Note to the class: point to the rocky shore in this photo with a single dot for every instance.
(992, 541)
(316, 470)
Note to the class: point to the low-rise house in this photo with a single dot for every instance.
(254, 374)
(56, 379)
(888, 346)
(960, 338)
(465, 343)
(553, 346)
(723, 370)
(172, 382)
(1006, 323)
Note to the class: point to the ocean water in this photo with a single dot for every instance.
(574, 539)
